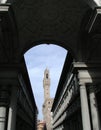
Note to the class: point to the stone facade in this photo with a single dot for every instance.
(47, 100)
(77, 103)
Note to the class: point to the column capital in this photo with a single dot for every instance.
(87, 72)
(82, 85)
(84, 77)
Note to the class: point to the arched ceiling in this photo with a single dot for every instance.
(49, 21)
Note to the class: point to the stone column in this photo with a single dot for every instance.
(2, 117)
(12, 109)
(94, 110)
(84, 108)
(4, 100)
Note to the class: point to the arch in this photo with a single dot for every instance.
(50, 22)
(48, 42)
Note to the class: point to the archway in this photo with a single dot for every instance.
(39, 58)
(12, 51)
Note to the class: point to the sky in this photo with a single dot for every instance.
(37, 60)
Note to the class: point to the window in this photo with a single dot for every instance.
(46, 76)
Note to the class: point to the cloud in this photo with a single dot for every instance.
(37, 59)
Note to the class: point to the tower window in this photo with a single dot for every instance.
(47, 76)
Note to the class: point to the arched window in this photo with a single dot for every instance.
(46, 76)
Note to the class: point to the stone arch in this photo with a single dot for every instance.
(57, 22)
(63, 45)
(65, 31)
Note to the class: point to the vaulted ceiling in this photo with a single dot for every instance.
(51, 21)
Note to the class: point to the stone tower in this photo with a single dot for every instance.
(46, 84)
(47, 100)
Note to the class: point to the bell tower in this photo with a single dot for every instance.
(46, 84)
(48, 101)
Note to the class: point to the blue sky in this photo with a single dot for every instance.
(37, 60)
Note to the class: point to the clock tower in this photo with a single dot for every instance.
(46, 84)
(47, 100)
